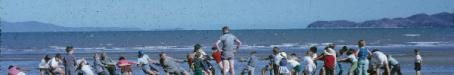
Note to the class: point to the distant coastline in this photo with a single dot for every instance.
(34, 26)
(439, 20)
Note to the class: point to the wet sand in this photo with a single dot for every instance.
(437, 60)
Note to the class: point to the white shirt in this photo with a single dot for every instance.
(418, 59)
(379, 57)
(314, 56)
(54, 63)
(87, 70)
(353, 58)
(44, 64)
(309, 63)
(202, 52)
(293, 63)
(144, 59)
(278, 57)
(21, 73)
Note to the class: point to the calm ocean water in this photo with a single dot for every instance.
(28, 47)
(296, 38)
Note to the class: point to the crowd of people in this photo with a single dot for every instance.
(223, 54)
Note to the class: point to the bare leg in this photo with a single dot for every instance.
(264, 70)
(225, 63)
(232, 67)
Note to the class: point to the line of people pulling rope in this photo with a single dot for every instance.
(223, 53)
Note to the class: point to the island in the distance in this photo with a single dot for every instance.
(439, 20)
(34, 26)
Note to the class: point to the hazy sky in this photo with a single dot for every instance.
(211, 14)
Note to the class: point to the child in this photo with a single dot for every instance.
(14, 70)
(84, 67)
(394, 65)
(250, 66)
(199, 66)
(294, 64)
(125, 66)
(380, 61)
(170, 66)
(54, 65)
(100, 69)
(269, 66)
(44, 65)
(309, 64)
(418, 62)
(329, 58)
(283, 70)
(352, 59)
(216, 54)
(144, 63)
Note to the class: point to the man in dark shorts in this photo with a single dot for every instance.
(228, 41)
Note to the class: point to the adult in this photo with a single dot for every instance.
(69, 61)
(228, 41)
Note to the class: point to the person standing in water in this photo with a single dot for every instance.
(69, 61)
(362, 53)
(228, 41)
(418, 62)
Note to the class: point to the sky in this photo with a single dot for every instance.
(211, 14)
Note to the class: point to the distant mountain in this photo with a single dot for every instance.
(440, 20)
(33, 26)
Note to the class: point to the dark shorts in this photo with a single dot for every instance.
(417, 66)
(297, 68)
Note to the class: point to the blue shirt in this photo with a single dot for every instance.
(363, 53)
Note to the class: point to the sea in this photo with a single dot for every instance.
(26, 49)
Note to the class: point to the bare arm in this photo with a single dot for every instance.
(238, 42)
(343, 59)
(217, 44)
